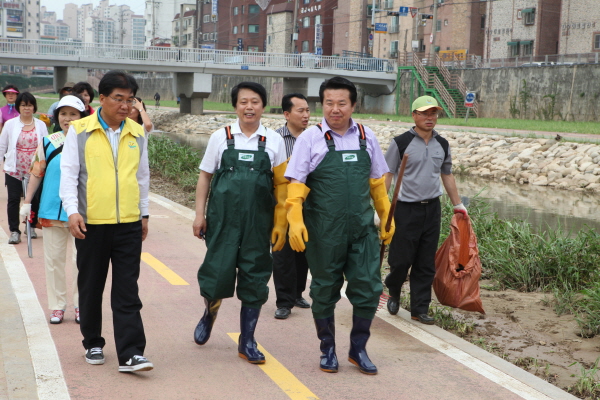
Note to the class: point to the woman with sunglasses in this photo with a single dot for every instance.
(9, 111)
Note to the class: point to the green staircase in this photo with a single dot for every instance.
(448, 94)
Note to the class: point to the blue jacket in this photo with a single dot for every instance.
(50, 202)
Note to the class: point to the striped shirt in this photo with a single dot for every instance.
(288, 138)
(114, 137)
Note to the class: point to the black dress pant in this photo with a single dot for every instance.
(414, 245)
(290, 270)
(121, 245)
(14, 189)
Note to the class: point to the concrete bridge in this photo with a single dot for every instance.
(194, 68)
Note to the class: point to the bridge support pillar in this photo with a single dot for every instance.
(309, 87)
(192, 88)
(63, 75)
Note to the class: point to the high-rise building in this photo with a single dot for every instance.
(159, 16)
(184, 24)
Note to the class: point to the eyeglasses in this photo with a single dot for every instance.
(119, 101)
(427, 115)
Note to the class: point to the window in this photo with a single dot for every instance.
(270, 20)
(243, 9)
(394, 49)
(305, 1)
(243, 28)
(526, 47)
(205, 36)
(235, 30)
(483, 21)
(235, 12)
(394, 25)
(513, 49)
(269, 39)
(206, 18)
(252, 28)
(438, 25)
(596, 41)
(528, 16)
(306, 22)
(317, 19)
(253, 49)
(253, 9)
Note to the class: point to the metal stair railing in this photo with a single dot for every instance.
(426, 76)
(446, 97)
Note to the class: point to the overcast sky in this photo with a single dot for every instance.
(59, 5)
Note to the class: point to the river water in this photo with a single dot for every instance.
(541, 206)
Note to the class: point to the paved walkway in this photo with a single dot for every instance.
(46, 361)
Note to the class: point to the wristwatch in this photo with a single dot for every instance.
(145, 216)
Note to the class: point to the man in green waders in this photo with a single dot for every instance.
(243, 165)
(335, 169)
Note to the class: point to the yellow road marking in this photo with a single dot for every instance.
(162, 269)
(281, 376)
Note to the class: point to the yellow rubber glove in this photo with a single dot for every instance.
(297, 193)
(280, 223)
(382, 206)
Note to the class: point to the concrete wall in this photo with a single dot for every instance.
(574, 86)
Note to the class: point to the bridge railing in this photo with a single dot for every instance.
(174, 54)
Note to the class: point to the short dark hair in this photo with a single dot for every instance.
(139, 118)
(24, 98)
(116, 79)
(80, 87)
(286, 101)
(9, 87)
(83, 114)
(337, 82)
(255, 87)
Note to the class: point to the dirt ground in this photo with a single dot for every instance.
(524, 329)
(519, 327)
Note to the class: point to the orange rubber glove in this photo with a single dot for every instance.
(297, 193)
(382, 205)
(280, 223)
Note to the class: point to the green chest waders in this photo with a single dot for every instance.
(239, 223)
(343, 240)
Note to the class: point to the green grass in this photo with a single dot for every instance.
(173, 161)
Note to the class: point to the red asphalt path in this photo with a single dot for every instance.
(408, 367)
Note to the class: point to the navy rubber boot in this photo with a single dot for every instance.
(361, 331)
(326, 334)
(247, 345)
(204, 327)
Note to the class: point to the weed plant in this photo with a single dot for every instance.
(173, 161)
(588, 383)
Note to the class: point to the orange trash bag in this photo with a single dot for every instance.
(458, 267)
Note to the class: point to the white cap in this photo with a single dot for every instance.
(71, 101)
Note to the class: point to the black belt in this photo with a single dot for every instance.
(428, 201)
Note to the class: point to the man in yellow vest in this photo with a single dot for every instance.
(104, 189)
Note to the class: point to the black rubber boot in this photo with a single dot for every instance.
(204, 327)
(246, 344)
(326, 333)
(361, 331)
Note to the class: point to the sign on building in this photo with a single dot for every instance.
(215, 8)
(380, 27)
(318, 35)
(448, 55)
(404, 11)
(414, 11)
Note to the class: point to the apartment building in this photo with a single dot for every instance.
(579, 27)
(521, 28)
(183, 35)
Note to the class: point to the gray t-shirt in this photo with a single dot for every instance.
(421, 179)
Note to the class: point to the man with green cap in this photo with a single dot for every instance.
(418, 211)
(336, 168)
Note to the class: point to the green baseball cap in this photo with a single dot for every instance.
(425, 103)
